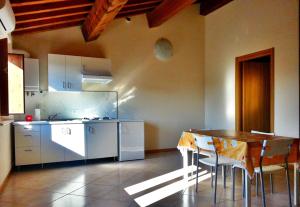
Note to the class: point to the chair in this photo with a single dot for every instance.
(214, 161)
(269, 149)
(267, 169)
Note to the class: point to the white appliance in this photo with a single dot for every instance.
(131, 140)
(7, 19)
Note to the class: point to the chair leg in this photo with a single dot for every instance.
(271, 183)
(216, 184)
(256, 184)
(243, 182)
(212, 177)
(262, 185)
(224, 175)
(288, 183)
(197, 172)
(233, 182)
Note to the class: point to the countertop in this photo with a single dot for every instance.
(5, 122)
(21, 123)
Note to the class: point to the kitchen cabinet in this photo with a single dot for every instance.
(64, 73)
(72, 138)
(56, 72)
(27, 145)
(51, 150)
(73, 73)
(131, 140)
(31, 70)
(102, 140)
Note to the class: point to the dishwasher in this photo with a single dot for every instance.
(131, 140)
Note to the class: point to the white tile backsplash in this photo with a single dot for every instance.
(72, 105)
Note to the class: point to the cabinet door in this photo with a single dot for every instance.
(31, 70)
(51, 150)
(74, 142)
(57, 72)
(96, 65)
(73, 73)
(102, 140)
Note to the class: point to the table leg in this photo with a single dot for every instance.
(185, 165)
(247, 189)
(296, 184)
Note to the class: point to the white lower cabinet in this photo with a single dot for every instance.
(51, 151)
(28, 155)
(37, 144)
(102, 140)
(27, 145)
(71, 138)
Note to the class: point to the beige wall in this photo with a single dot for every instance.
(243, 27)
(5, 152)
(167, 95)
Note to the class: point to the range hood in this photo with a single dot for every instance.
(96, 79)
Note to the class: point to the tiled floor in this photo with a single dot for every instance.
(102, 185)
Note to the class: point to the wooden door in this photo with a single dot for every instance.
(3, 77)
(256, 107)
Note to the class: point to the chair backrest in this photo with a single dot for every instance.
(265, 133)
(204, 142)
(276, 147)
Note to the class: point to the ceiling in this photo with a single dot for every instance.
(42, 15)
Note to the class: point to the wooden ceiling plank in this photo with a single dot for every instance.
(166, 10)
(15, 4)
(53, 13)
(51, 17)
(46, 9)
(136, 10)
(48, 24)
(102, 13)
(145, 3)
(206, 6)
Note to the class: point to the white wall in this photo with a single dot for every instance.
(5, 152)
(246, 26)
(168, 95)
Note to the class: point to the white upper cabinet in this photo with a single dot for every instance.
(73, 73)
(57, 72)
(64, 73)
(95, 65)
(31, 70)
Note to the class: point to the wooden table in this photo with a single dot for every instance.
(252, 143)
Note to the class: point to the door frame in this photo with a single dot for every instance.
(238, 85)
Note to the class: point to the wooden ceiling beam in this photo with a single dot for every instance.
(166, 10)
(208, 6)
(102, 13)
(50, 8)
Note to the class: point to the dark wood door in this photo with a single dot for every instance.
(256, 95)
(3, 78)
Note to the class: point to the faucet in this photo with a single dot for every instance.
(52, 117)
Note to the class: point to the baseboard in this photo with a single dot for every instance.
(160, 150)
(3, 184)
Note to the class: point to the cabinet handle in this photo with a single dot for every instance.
(69, 131)
(69, 85)
(64, 84)
(27, 135)
(28, 150)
